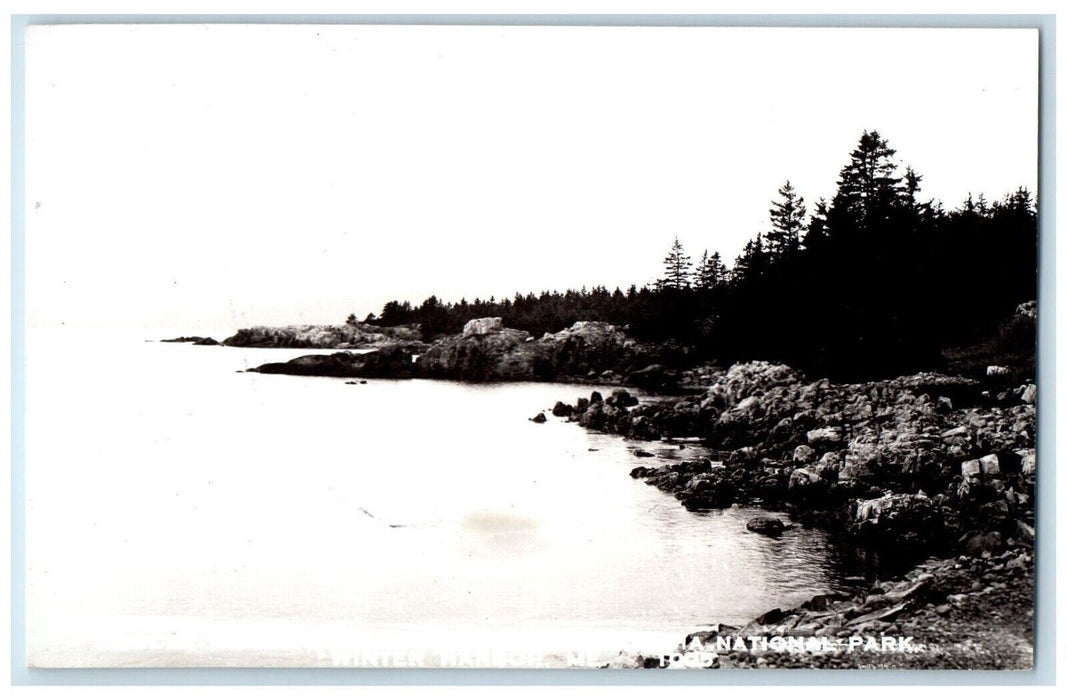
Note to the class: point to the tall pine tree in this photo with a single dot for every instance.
(787, 223)
(676, 268)
(868, 188)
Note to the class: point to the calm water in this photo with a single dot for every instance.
(180, 512)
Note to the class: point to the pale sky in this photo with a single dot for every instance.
(196, 179)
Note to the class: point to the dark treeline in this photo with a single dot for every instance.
(873, 282)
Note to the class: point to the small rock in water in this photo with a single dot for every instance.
(539, 418)
(562, 410)
(766, 526)
(642, 453)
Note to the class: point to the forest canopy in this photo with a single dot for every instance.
(872, 282)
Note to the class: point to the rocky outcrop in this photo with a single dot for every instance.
(347, 336)
(394, 361)
(501, 355)
(922, 460)
(194, 339)
(962, 612)
(487, 351)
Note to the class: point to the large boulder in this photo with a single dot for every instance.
(899, 520)
(708, 491)
(988, 466)
(562, 410)
(803, 478)
(752, 378)
(959, 436)
(1029, 394)
(860, 463)
(622, 399)
(824, 436)
(482, 326)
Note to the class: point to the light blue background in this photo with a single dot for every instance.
(1044, 616)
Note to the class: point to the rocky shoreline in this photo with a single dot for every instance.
(898, 471)
(484, 351)
(963, 612)
(927, 479)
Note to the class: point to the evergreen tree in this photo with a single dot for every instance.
(815, 237)
(675, 268)
(718, 269)
(917, 211)
(787, 223)
(751, 263)
(911, 187)
(1019, 202)
(710, 273)
(868, 188)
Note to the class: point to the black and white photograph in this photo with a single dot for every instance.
(484, 346)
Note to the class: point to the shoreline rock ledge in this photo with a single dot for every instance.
(486, 350)
(194, 339)
(392, 362)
